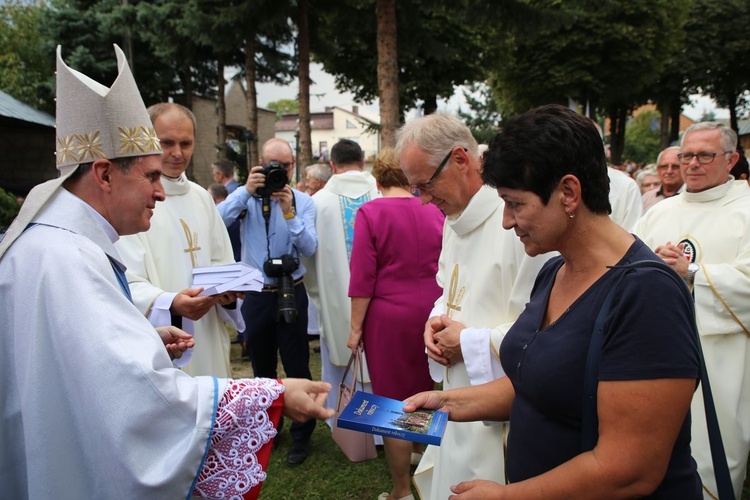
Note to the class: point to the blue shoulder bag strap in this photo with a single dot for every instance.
(590, 421)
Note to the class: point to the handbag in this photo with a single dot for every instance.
(357, 446)
(590, 421)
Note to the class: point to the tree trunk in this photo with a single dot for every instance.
(385, 11)
(732, 100)
(251, 98)
(304, 147)
(664, 115)
(676, 109)
(617, 118)
(430, 105)
(221, 128)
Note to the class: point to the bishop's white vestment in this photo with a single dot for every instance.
(186, 231)
(327, 277)
(487, 280)
(714, 225)
(91, 404)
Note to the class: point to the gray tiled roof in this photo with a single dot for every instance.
(13, 108)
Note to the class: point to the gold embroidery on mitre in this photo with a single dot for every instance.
(89, 146)
(150, 139)
(192, 241)
(130, 140)
(66, 151)
(454, 301)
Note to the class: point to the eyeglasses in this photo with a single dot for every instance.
(703, 157)
(670, 166)
(287, 164)
(427, 186)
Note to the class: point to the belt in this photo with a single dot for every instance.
(275, 288)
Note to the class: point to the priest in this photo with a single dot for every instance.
(92, 406)
(336, 205)
(186, 232)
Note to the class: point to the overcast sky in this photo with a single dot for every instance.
(323, 93)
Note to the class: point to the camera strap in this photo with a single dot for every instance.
(266, 211)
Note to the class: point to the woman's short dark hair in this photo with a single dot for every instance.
(536, 149)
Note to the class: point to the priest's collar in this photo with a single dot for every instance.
(175, 186)
(711, 194)
(480, 208)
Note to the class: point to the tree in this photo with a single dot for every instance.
(283, 106)
(304, 144)
(607, 57)
(719, 42)
(26, 62)
(385, 11)
(642, 137)
(484, 117)
(440, 46)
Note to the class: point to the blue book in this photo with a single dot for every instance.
(380, 415)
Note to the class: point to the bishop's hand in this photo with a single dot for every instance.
(188, 304)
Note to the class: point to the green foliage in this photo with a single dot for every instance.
(719, 44)
(25, 56)
(642, 138)
(9, 208)
(283, 106)
(483, 119)
(439, 47)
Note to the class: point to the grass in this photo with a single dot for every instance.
(327, 473)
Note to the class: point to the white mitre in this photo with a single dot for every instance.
(92, 122)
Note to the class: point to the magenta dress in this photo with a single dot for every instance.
(394, 260)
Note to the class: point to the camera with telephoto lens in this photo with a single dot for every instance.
(282, 269)
(276, 179)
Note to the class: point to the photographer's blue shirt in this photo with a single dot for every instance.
(295, 236)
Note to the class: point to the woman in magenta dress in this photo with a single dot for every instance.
(397, 242)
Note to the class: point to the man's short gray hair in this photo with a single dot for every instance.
(319, 171)
(670, 148)
(728, 136)
(436, 134)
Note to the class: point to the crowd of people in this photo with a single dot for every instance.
(483, 269)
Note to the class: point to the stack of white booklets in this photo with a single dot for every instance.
(237, 277)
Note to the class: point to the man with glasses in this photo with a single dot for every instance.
(668, 169)
(336, 205)
(703, 235)
(486, 279)
(276, 224)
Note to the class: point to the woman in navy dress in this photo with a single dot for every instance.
(548, 165)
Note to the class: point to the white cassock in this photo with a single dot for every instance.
(486, 279)
(715, 227)
(327, 277)
(625, 198)
(186, 232)
(92, 406)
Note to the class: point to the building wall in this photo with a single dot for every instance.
(207, 118)
(27, 155)
(346, 125)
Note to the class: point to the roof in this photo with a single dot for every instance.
(11, 107)
(289, 122)
(318, 121)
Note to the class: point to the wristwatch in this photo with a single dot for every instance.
(292, 213)
(691, 270)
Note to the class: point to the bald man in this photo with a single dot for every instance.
(277, 230)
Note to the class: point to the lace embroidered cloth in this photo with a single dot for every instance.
(242, 427)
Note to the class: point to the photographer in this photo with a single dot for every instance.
(277, 229)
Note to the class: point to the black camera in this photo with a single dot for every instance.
(276, 179)
(282, 269)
